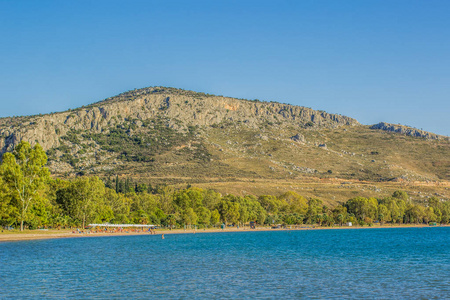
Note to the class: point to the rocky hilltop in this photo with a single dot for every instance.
(168, 135)
(179, 108)
(397, 128)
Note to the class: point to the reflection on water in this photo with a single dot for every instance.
(377, 263)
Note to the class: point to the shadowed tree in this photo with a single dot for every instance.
(6, 209)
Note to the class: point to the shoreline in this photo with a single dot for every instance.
(66, 233)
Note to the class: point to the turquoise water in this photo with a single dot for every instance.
(343, 264)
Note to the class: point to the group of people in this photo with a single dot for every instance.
(114, 230)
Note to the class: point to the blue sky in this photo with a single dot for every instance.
(370, 60)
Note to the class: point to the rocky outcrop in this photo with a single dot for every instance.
(178, 108)
(407, 131)
(298, 138)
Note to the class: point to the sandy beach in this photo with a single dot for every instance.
(9, 236)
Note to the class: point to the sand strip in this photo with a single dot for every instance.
(53, 234)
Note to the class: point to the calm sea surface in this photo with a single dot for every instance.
(370, 264)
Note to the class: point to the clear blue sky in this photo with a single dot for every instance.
(371, 60)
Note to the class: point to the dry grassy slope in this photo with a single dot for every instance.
(351, 152)
(362, 161)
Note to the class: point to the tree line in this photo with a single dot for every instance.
(30, 198)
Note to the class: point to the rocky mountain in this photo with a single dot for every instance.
(407, 131)
(179, 108)
(168, 135)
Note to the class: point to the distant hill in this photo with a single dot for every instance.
(174, 136)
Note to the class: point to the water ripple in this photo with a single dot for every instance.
(340, 264)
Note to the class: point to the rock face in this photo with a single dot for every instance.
(178, 108)
(407, 131)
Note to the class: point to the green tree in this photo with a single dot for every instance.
(383, 214)
(80, 200)
(402, 195)
(297, 203)
(25, 174)
(118, 202)
(271, 204)
(429, 215)
(7, 216)
(435, 203)
(340, 214)
(363, 208)
(328, 219)
(445, 212)
(171, 220)
(103, 213)
(191, 197)
(229, 211)
(215, 217)
(414, 213)
(204, 216)
(210, 199)
(147, 202)
(340, 219)
(140, 188)
(140, 217)
(320, 218)
(251, 210)
(315, 207)
(396, 208)
(189, 217)
(166, 195)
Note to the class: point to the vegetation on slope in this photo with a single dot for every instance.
(28, 196)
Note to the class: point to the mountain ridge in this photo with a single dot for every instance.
(132, 94)
(174, 136)
(157, 102)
